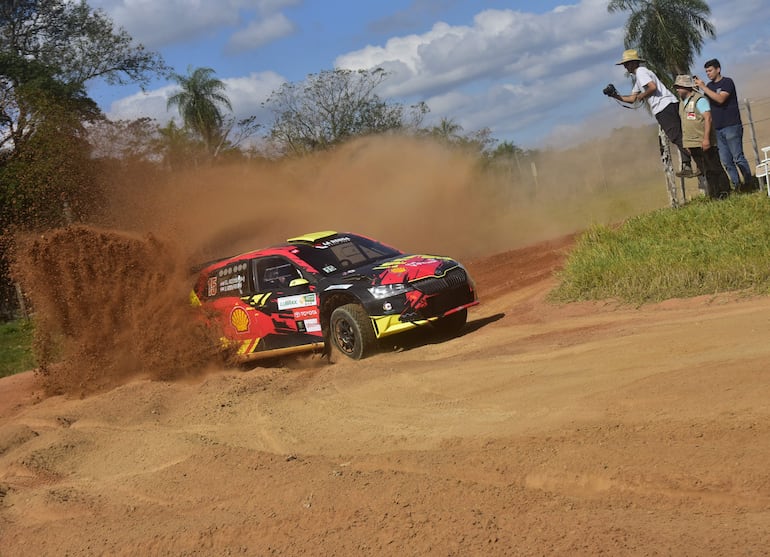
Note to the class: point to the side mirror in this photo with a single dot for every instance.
(298, 282)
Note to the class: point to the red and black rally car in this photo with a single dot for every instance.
(331, 287)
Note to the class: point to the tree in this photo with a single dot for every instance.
(667, 33)
(507, 149)
(334, 105)
(125, 141)
(447, 130)
(50, 44)
(49, 178)
(49, 51)
(199, 104)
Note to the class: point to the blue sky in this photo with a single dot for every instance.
(531, 71)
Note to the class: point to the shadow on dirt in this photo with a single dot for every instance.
(423, 336)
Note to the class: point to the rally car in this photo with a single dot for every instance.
(330, 289)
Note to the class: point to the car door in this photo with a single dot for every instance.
(284, 303)
(225, 293)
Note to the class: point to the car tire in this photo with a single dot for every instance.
(351, 331)
(452, 324)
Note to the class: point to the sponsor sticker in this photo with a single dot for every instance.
(240, 320)
(232, 283)
(302, 314)
(212, 286)
(303, 300)
(325, 244)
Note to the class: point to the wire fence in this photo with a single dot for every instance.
(755, 113)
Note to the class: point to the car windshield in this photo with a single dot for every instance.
(342, 252)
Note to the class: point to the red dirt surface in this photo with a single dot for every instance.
(580, 429)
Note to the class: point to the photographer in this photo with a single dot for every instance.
(664, 105)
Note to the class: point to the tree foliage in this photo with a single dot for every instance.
(49, 178)
(49, 50)
(126, 141)
(449, 132)
(334, 105)
(667, 33)
(200, 103)
(80, 43)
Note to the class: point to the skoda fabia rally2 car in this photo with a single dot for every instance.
(330, 287)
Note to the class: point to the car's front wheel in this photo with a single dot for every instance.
(351, 331)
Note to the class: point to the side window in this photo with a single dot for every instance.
(275, 273)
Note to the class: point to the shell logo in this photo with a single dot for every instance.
(398, 269)
(240, 320)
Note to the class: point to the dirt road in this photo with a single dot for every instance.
(585, 429)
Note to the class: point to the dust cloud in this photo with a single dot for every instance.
(414, 194)
(111, 296)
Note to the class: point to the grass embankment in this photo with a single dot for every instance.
(16, 347)
(705, 247)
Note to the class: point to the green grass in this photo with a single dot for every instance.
(704, 247)
(16, 347)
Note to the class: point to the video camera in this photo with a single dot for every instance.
(610, 90)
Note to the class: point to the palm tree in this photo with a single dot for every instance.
(199, 104)
(448, 130)
(667, 33)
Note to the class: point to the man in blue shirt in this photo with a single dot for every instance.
(726, 115)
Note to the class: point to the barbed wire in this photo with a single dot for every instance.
(760, 100)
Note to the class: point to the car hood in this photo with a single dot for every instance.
(401, 269)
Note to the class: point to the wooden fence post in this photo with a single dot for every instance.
(668, 169)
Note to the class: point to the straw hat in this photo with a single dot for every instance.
(630, 55)
(684, 81)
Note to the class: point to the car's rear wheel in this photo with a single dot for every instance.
(452, 324)
(351, 331)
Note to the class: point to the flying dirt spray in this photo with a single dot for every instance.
(108, 307)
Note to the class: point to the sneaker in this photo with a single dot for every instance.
(749, 186)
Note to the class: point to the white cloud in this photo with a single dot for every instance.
(150, 104)
(157, 23)
(508, 71)
(261, 32)
(501, 44)
(248, 93)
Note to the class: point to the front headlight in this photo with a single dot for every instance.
(388, 290)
